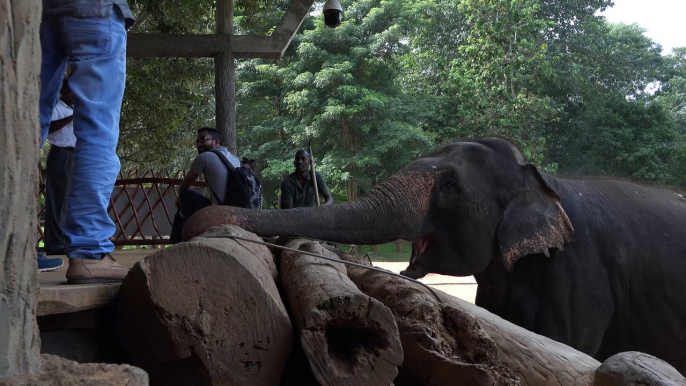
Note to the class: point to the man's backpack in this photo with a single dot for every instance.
(242, 187)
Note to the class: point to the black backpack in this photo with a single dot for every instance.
(242, 187)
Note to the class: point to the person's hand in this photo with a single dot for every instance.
(178, 203)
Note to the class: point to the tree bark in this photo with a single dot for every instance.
(348, 338)
(442, 343)
(20, 61)
(206, 312)
(535, 359)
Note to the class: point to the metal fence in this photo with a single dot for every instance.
(141, 206)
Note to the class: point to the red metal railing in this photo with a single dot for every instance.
(141, 206)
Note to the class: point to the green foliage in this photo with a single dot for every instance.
(400, 76)
(337, 87)
(167, 100)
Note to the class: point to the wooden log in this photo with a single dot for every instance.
(442, 343)
(206, 312)
(535, 359)
(348, 338)
(636, 368)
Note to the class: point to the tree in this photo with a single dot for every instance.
(19, 132)
(672, 97)
(339, 89)
(610, 126)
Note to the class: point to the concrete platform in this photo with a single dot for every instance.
(57, 297)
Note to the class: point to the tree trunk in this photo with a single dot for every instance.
(206, 312)
(399, 246)
(20, 62)
(348, 338)
(442, 343)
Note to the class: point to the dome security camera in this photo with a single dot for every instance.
(333, 13)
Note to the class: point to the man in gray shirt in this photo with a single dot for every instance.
(211, 166)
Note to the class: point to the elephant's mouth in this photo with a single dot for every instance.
(419, 246)
(415, 270)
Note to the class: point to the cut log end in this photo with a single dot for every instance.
(348, 338)
(353, 340)
(205, 312)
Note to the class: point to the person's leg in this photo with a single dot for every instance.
(176, 235)
(96, 50)
(192, 201)
(59, 164)
(53, 66)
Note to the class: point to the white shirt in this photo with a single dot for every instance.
(63, 137)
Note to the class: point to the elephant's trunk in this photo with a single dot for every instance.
(393, 210)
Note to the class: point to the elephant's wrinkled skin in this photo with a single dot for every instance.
(616, 276)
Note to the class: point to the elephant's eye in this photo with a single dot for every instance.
(450, 185)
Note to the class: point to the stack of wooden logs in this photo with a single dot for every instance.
(217, 311)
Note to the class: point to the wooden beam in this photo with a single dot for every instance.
(291, 21)
(141, 45)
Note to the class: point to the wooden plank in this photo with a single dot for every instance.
(64, 299)
(57, 297)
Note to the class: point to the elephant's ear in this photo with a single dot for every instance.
(534, 222)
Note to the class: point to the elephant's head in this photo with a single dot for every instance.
(463, 206)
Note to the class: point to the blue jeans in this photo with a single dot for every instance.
(95, 49)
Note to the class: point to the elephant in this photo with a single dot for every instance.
(597, 264)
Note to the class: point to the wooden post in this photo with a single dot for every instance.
(19, 128)
(225, 80)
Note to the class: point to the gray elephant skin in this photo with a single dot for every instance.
(599, 265)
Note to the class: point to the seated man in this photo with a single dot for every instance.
(297, 189)
(215, 172)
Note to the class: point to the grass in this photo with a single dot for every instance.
(387, 252)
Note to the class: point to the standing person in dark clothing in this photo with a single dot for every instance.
(297, 189)
(58, 174)
(90, 37)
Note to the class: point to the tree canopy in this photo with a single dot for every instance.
(578, 95)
